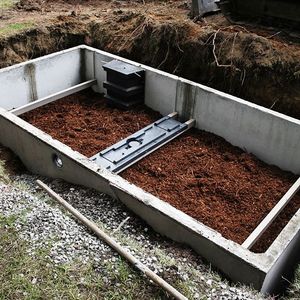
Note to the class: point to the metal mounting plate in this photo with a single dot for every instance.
(128, 151)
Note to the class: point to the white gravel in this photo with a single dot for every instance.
(43, 224)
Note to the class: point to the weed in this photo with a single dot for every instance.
(15, 28)
(5, 4)
(3, 174)
(294, 290)
(35, 276)
(164, 258)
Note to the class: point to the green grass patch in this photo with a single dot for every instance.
(25, 277)
(15, 28)
(3, 173)
(5, 4)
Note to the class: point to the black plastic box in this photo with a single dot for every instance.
(125, 84)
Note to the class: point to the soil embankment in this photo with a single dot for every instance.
(261, 65)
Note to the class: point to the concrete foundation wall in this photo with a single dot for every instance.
(228, 256)
(27, 82)
(271, 136)
(224, 254)
(286, 248)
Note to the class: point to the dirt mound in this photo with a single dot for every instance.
(258, 65)
(30, 5)
(230, 59)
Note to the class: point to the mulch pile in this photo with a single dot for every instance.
(199, 173)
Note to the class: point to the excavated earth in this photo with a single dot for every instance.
(199, 173)
(256, 63)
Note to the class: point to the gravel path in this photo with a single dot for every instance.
(44, 224)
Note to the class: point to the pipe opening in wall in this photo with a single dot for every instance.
(57, 161)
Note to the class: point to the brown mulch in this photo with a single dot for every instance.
(199, 173)
(218, 184)
(85, 123)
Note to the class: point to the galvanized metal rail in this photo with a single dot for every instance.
(267, 221)
(53, 97)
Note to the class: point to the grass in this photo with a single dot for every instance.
(5, 4)
(128, 284)
(294, 290)
(164, 259)
(3, 174)
(35, 277)
(15, 28)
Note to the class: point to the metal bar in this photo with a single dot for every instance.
(113, 244)
(267, 221)
(53, 97)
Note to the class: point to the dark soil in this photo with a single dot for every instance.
(199, 173)
(12, 163)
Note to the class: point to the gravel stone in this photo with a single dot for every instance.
(44, 224)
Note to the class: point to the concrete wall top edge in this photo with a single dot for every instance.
(22, 64)
(285, 236)
(203, 87)
(285, 251)
(229, 97)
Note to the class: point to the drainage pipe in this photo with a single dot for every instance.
(113, 244)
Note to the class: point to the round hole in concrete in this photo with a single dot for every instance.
(57, 161)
